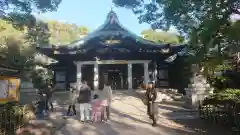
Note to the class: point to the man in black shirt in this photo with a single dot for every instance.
(84, 100)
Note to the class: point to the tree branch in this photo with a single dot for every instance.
(236, 11)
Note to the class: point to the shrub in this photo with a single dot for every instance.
(229, 96)
(11, 117)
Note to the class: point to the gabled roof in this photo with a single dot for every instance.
(111, 27)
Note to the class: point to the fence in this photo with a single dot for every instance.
(226, 115)
(11, 118)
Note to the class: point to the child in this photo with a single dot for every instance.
(97, 109)
(40, 106)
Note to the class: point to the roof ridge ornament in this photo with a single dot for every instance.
(113, 20)
(112, 16)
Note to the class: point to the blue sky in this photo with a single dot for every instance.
(92, 13)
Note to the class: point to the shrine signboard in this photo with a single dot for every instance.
(9, 89)
(111, 42)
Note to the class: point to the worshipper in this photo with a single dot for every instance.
(40, 105)
(106, 96)
(84, 99)
(152, 106)
(73, 94)
(49, 95)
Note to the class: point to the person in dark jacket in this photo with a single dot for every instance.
(152, 107)
(84, 100)
(49, 94)
(40, 106)
(72, 98)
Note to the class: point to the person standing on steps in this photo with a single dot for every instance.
(152, 106)
(84, 100)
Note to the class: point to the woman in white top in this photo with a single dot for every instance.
(106, 95)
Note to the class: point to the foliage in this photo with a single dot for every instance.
(233, 37)
(19, 12)
(206, 23)
(161, 37)
(185, 15)
(18, 53)
(29, 6)
(12, 117)
(41, 78)
(63, 33)
(19, 46)
(229, 96)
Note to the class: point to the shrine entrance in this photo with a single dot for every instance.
(115, 75)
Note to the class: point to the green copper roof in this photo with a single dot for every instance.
(111, 27)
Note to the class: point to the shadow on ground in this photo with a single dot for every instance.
(186, 120)
(116, 127)
(190, 120)
(130, 122)
(46, 126)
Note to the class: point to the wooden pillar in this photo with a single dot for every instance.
(129, 76)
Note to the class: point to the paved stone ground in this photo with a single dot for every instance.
(129, 117)
(47, 126)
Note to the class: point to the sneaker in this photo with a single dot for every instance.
(154, 124)
(106, 120)
(66, 114)
(82, 121)
(70, 114)
(88, 121)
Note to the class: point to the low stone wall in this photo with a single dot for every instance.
(28, 95)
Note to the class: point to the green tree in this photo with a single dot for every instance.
(19, 45)
(204, 21)
(18, 53)
(19, 12)
(207, 24)
(161, 36)
(63, 33)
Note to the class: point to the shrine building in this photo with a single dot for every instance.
(115, 55)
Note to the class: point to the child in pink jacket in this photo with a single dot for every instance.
(97, 109)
